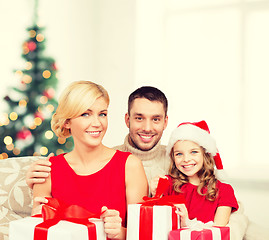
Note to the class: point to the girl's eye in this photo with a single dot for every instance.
(194, 152)
(178, 154)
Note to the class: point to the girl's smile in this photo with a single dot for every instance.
(188, 158)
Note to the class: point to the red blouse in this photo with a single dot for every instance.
(103, 188)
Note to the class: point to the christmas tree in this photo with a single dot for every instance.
(25, 130)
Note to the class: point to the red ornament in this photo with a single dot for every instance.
(54, 67)
(39, 115)
(49, 93)
(24, 134)
(31, 46)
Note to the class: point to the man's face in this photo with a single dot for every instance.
(146, 123)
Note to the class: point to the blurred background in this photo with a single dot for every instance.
(210, 58)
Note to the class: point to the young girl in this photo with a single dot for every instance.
(92, 175)
(194, 154)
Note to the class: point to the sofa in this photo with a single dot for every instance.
(15, 195)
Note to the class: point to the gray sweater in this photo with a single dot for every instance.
(155, 161)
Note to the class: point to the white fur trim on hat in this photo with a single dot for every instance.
(195, 134)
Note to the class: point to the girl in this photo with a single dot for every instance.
(193, 155)
(92, 175)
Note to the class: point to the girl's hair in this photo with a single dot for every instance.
(74, 101)
(207, 186)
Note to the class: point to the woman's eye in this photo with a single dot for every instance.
(103, 114)
(85, 114)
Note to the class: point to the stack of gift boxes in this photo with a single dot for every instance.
(153, 219)
(156, 219)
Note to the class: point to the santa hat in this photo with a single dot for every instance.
(199, 133)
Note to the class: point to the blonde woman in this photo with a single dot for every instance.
(92, 175)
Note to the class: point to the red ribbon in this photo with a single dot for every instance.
(146, 209)
(56, 210)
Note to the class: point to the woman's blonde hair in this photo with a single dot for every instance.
(74, 101)
(207, 186)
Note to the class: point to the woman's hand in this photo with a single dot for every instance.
(38, 203)
(183, 213)
(112, 224)
(38, 171)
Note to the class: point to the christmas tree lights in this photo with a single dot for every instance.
(25, 129)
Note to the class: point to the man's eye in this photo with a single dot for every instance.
(138, 118)
(156, 120)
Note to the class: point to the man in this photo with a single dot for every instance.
(146, 119)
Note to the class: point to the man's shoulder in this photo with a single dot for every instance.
(121, 148)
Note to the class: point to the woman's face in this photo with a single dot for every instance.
(189, 159)
(90, 127)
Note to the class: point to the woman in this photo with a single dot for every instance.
(92, 175)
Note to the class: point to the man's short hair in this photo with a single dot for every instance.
(150, 93)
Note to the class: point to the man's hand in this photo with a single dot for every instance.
(154, 183)
(38, 171)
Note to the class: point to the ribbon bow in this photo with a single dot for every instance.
(158, 199)
(56, 210)
(196, 225)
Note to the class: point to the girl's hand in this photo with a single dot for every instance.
(183, 213)
(39, 202)
(112, 224)
(154, 183)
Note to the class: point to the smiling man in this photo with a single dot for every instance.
(147, 119)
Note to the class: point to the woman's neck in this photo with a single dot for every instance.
(87, 154)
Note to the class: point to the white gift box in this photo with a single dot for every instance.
(23, 229)
(161, 222)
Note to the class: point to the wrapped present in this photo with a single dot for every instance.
(59, 221)
(201, 232)
(23, 229)
(154, 218)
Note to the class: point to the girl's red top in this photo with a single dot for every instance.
(201, 208)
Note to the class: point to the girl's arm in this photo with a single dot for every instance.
(222, 216)
(183, 213)
(136, 188)
(40, 191)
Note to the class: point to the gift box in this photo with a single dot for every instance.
(154, 218)
(210, 233)
(59, 221)
(150, 222)
(23, 229)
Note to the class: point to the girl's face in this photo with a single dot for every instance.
(90, 127)
(189, 159)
